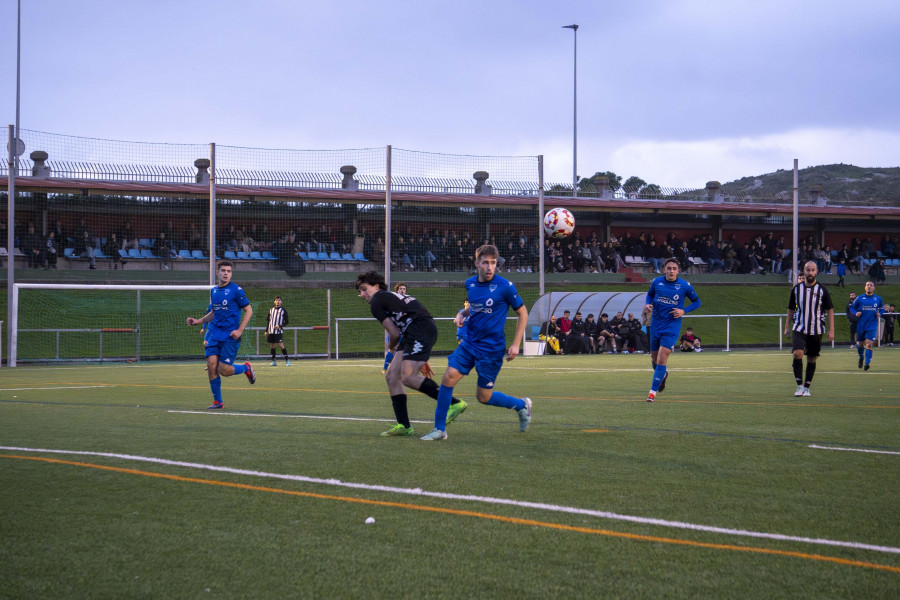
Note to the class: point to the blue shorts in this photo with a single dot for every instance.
(665, 339)
(867, 334)
(487, 367)
(226, 350)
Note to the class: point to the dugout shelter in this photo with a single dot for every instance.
(596, 303)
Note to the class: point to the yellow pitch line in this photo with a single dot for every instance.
(468, 513)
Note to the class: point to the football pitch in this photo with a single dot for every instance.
(116, 482)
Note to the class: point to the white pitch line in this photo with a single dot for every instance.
(482, 499)
(236, 414)
(852, 449)
(67, 387)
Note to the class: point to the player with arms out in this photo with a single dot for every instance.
(809, 303)
(227, 301)
(404, 318)
(276, 321)
(665, 305)
(868, 308)
(484, 345)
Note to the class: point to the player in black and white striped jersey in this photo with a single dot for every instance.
(276, 321)
(808, 307)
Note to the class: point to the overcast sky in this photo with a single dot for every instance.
(677, 92)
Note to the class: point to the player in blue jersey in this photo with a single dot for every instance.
(868, 308)
(461, 329)
(484, 345)
(665, 303)
(228, 314)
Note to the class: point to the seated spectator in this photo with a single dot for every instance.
(689, 342)
(550, 334)
(32, 247)
(576, 341)
(590, 329)
(163, 250)
(633, 335)
(712, 256)
(128, 237)
(50, 254)
(111, 249)
(876, 271)
(565, 327)
(607, 337)
(84, 247)
(653, 255)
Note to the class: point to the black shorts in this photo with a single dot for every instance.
(810, 344)
(418, 340)
(274, 338)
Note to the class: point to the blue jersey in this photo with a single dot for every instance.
(665, 296)
(226, 303)
(489, 303)
(871, 307)
(461, 331)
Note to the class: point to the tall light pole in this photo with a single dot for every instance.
(574, 29)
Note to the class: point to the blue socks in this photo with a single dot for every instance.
(868, 356)
(216, 386)
(860, 349)
(502, 400)
(240, 369)
(659, 373)
(445, 396)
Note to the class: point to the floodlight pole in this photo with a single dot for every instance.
(574, 29)
(796, 232)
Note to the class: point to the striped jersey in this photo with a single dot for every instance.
(810, 305)
(276, 320)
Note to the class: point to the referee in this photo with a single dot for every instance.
(809, 304)
(276, 321)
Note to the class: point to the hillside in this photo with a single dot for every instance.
(838, 181)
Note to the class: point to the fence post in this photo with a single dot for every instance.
(780, 335)
(727, 333)
(327, 319)
(337, 341)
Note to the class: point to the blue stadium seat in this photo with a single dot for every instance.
(335, 256)
(230, 255)
(268, 255)
(304, 256)
(133, 253)
(145, 243)
(347, 256)
(243, 255)
(99, 254)
(184, 254)
(198, 254)
(146, 253)
(69, 253)
(322, 256)
(359, 256)
(255, 255)
(124, 254)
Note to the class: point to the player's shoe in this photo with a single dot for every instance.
(651, 397)
(287, 363)
(866, 367)
(525, 414)
(860, 365)
(806, 391)
(216, 406)
(662, 385)
(799, 391)
(273, 364)
(249, 373)
(398, 430)
(435, 435)
(455, 410)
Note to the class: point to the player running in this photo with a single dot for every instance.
(484, 345)
(411, 336)
(808, 306)
(223, 337)
(665, 304)
(868, 308)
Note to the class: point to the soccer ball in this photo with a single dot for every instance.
(559, 223)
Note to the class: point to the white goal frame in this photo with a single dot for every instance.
(14, 321)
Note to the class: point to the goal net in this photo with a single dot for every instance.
(71, 322)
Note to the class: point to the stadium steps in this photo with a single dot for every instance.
(632, 276)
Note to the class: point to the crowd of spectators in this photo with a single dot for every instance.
(589, 336)
(450, 250)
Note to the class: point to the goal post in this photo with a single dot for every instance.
(60, 321)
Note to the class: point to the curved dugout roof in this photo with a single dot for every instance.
(586, 303)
